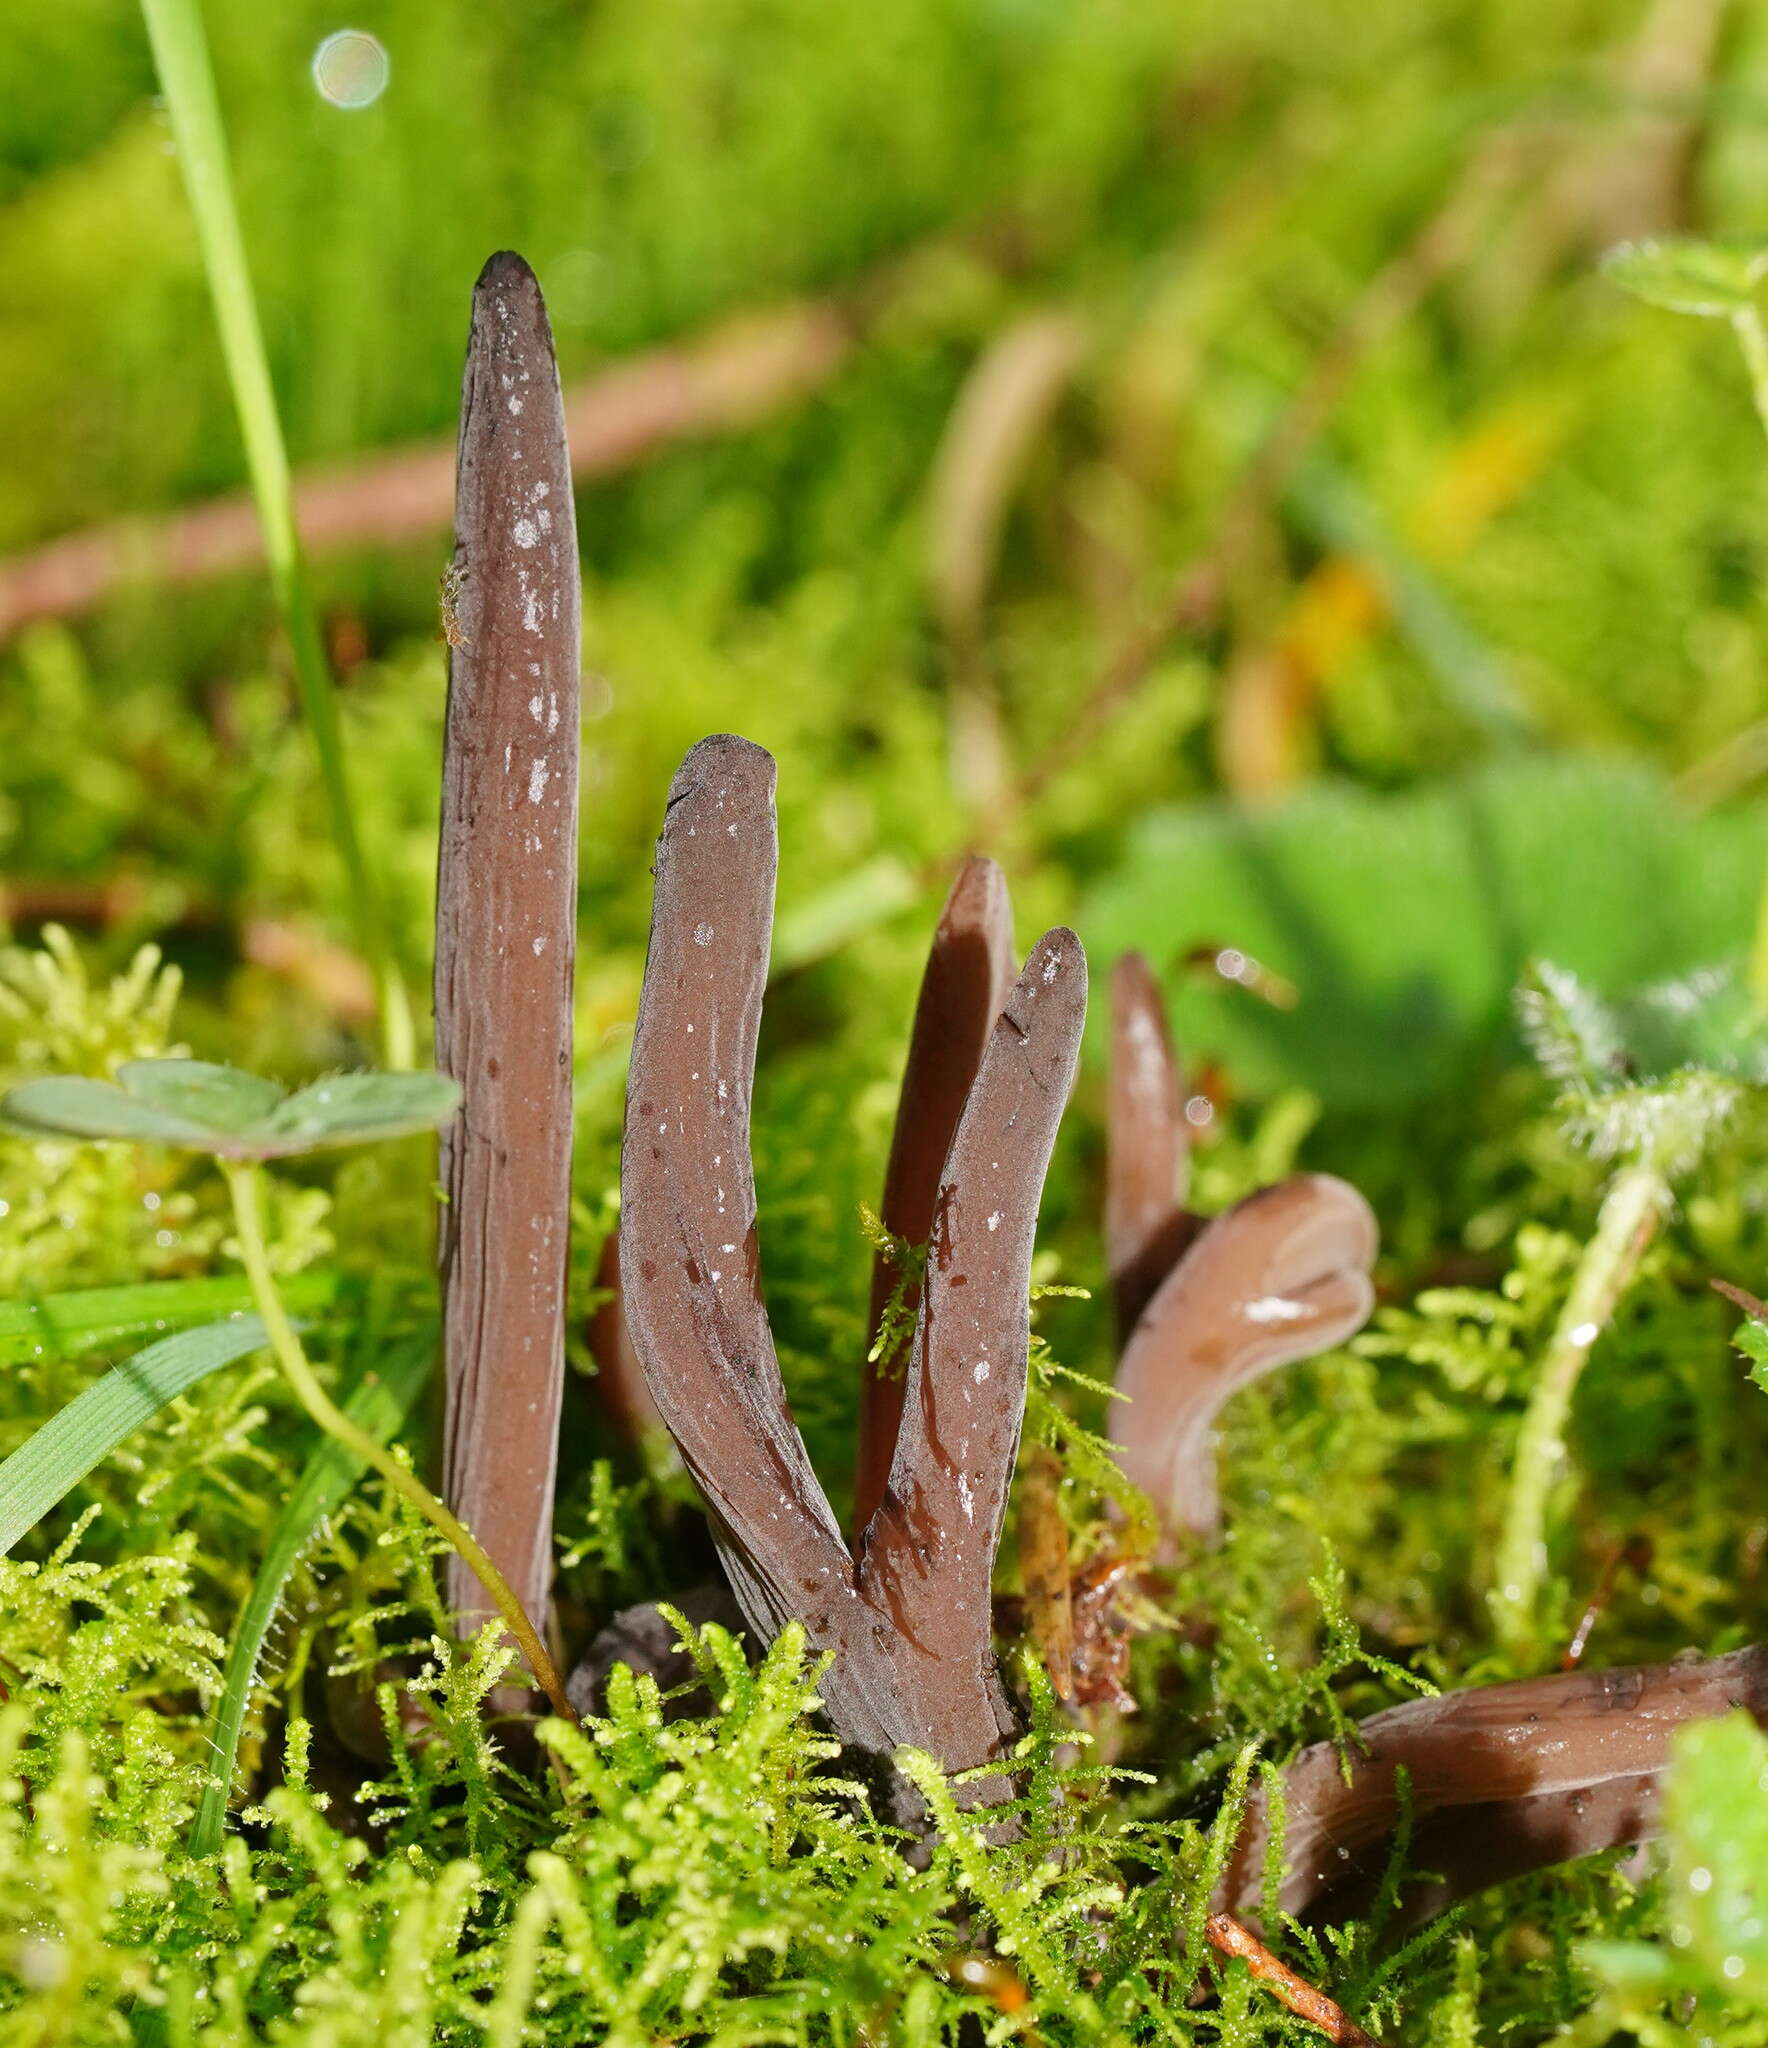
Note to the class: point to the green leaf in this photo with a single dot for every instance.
(1629, 1966)
(70, 1106)
(813, 929)
(1751, 1338)
(1716, 1823)
(219, 1098)
(227, 1113)
(1405, 919)
(98, 1318)
(380, 1403)
(1689, 275)
(1569, 1029)
(81, 1435)
(353, 1109)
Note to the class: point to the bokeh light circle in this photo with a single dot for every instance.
(351, 68)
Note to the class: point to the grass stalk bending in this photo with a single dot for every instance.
(242, 1184)
(1624, 1226)
(181, 57)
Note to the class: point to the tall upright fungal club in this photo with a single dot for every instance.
(970, 970)
(906, 1609)
(506, 916)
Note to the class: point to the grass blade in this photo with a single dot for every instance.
(181, 57)
(98, 1318)
(381, 1402)
(84, 1433)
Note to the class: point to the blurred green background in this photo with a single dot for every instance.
(1187, 449)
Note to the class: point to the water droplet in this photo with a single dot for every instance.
(351, 69)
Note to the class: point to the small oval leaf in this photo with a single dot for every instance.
(354, 1109)
(73, 1106)
(223, 1098)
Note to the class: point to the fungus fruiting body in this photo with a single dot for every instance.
(506, 904)
(906, 1609)
(1206, 1308)
(970, 970)
(1500, 1779)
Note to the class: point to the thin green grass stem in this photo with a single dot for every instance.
(181, 57)
(1624, 1226)
(1752, 339)
(242, 1183)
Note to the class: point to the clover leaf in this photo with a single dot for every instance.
(201, 1107)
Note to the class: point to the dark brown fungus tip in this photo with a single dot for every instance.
(1148, 1147)
(504, 270)
(1503, 1779)
(970, 968)
(1281, 1276)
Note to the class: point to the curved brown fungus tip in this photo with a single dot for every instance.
(970, 970)
(1503, 1779)
(909, 1624)
(1280, 1276)
(1148, 1150)
(506, 905)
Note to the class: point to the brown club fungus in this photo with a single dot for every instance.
(969, 975)
(619, 1377)
(1501, 1779)
(906, 1609)
(506, 903)
(1207, 1307)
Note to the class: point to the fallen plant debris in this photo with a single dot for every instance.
(907, 1609)
(719, 382)
(1228, 1937)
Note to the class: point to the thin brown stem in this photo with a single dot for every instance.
(1228, 1937)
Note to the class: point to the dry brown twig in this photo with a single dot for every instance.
(731, 376)
(1228, 1937)
(1005, 403)
(727, 379)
